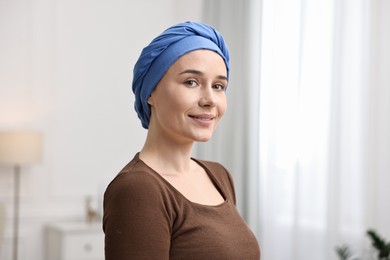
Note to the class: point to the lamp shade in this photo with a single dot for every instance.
(19, 148)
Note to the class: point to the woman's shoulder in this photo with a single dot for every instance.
(214, 168)
(137, 178)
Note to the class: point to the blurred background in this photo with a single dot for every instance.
(306, 135)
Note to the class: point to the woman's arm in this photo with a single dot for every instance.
(135, 222)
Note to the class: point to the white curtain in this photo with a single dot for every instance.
(320, 165)
(307, 131)
(312, 124)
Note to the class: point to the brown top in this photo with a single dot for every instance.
(145, 217)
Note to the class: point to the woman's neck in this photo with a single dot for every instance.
(167, 156)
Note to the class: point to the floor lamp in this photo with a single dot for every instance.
(18, 149)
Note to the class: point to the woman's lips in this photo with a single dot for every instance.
(203, 119)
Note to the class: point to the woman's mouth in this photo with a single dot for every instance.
(203, 119)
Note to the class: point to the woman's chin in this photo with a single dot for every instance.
(203, 139)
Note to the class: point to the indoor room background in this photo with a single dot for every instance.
(306, 134)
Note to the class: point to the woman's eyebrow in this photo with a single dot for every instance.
(200, 73)
(191, 71)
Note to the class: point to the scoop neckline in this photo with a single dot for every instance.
(212, 178)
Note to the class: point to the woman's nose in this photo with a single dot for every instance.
(207, 97)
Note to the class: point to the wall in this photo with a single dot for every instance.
(66, 70)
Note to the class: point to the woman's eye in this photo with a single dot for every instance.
(191, 83)
(219, 87)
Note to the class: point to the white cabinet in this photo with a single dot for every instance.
(75, 241)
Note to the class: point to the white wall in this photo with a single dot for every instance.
(66, 70)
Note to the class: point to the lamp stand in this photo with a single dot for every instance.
(16, 210)
(19, 148)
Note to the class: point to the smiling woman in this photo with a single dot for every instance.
(189, 102)
(165, 204)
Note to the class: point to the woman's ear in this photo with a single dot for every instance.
(150, 100)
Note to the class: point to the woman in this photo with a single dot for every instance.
(164, 204)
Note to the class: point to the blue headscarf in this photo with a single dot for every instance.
(163, 51)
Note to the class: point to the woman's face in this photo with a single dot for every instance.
(190, 99)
